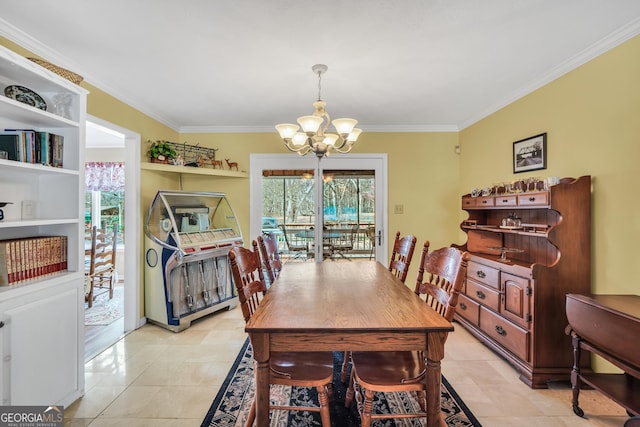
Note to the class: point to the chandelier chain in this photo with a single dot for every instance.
(319, 85)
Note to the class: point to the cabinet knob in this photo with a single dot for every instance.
(532, 199)
(500, 330)
(481, 274)
(1, 324)
(463, 306)
(481, 294)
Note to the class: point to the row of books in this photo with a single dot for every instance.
(30, 258)
(30, 146)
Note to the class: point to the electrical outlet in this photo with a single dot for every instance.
(399, 209)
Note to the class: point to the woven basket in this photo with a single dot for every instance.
(69, 75)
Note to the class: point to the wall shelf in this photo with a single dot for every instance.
(159, 167)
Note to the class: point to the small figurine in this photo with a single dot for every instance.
(200, 161)
(215, 163)
(232, 164)
(178, 161)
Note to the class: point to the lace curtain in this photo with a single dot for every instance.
(104, 176)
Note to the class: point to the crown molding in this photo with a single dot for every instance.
(23, 39)
(614, 39)
(365, 128)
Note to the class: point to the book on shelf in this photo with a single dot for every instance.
(31, 146)
(9, 142)
(29, 258)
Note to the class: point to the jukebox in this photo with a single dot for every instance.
(187, 240)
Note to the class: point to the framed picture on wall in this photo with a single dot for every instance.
(530, 154)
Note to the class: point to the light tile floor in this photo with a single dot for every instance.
(155, 377)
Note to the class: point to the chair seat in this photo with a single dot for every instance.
(307, 369)
(380, 371)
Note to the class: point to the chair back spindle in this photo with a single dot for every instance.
(440, 278)
(401, 255)
(270, 257)
(248, 278)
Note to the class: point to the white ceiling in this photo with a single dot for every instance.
(245, 65)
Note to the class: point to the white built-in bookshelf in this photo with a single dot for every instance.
(42, 318)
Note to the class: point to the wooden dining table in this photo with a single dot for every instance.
(339, 306)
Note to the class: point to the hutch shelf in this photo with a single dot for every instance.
(518, 276)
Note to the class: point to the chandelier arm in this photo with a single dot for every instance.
(290, 148)
(302, 149)
(344, 150)
(338, 147)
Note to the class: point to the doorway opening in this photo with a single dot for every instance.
(111, 154)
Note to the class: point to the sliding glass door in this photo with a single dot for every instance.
(332, 209)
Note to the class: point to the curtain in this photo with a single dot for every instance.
(104, 176)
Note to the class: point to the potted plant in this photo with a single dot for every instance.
(161, 152)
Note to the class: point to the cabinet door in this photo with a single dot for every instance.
(40, 349)
(516, 299)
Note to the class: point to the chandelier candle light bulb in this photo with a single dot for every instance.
(314, 136)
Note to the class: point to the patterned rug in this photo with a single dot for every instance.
(231, 406)
(105, 311)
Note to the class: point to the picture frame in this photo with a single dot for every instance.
(530, 154)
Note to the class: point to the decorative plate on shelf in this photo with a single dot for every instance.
(26, 96)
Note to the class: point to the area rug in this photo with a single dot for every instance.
(231, 405)
(105, 311)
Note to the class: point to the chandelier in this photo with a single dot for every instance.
(314, 136)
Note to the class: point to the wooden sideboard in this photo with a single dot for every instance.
(517, 279)
(609, 326)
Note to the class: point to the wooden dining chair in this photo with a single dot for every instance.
(401, 255)
(270, 257)
(398, 265)
(302, 369)
(101, 272)
(440, 278)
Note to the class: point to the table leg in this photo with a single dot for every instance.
(435, 353)
(260, 343)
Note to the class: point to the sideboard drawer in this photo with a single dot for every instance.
(506, 201)
(469, 309)
(468, 202)
(482, 273)
(483, 294)
(484, 202)
(533, 199)
(514, 338)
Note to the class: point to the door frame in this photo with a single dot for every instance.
(132, 312)
(375, 161)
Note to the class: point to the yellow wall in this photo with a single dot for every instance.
(592, 119)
